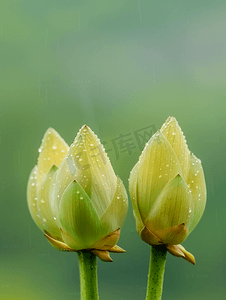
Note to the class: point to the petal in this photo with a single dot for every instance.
(133, 195)
(115, 215)
(54, 201)
(52, 152)
(89, 165)
(46, 217)
(197, 185)
(32, 199)
(78, 216)
(173, 206)
(72, 242)
(176, 138)
(158, 164)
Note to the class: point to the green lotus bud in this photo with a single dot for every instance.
(168, 190)
(75, 197)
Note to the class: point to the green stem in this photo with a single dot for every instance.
(88, 276)
(156, 272)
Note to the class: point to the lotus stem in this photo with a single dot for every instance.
(88, 276)
(156, 272)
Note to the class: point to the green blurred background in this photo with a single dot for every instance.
(122, 67)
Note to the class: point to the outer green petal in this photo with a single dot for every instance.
(52, 152)
(115, 215)
(158, 164)
(89, 165)
(71, 241)
(32, 199)
(54, 201)
(197, 185)
(133, 195)
(176, 138)
(104, 180)
(74, 166)
(78, 216)
(46, 217)
(173, 206)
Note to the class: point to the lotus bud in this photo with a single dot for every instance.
(75, 197)
(168, 190)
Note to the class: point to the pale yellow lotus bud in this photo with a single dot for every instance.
(167, 188)
(75, 197)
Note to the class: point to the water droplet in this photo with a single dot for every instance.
(33, 184)
(81, 198)
(54, 147)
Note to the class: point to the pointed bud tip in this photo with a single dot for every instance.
(51, 130)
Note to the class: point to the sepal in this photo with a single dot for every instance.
(180, 251)
(58, 244)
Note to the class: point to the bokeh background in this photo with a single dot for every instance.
(122, 67)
